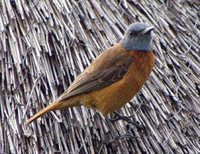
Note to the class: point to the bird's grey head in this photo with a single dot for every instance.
(137, 37)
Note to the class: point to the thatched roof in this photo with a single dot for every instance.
(44, 45)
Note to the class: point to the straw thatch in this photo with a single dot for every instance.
(44, 45)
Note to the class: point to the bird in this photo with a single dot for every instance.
(114, 77)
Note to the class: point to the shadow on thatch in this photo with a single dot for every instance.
(45, 45)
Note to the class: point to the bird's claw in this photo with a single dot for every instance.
(119, 137)
(128, 119)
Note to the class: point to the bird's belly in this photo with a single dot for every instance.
(115, 96)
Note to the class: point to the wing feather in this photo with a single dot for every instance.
(99, 78)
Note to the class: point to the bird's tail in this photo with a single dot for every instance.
(51, 107)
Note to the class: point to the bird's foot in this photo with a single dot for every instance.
(119, 137)
(116, 116)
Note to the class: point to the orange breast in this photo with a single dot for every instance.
(119, 93)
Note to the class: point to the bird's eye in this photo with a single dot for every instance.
(131, 33)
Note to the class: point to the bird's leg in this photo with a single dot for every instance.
(128, 119)
(119, 137)
(110, 138)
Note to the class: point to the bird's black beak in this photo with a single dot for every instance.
(147, 30)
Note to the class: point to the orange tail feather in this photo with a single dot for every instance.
(50, 107)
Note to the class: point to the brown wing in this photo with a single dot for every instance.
(96, 76)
